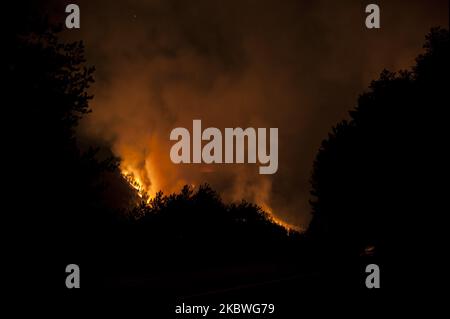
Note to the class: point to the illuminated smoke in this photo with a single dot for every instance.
(295, 65)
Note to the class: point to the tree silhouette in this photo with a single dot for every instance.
(372, 181)
(56, 189)
(200, 220)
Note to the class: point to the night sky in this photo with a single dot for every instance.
(295, 65)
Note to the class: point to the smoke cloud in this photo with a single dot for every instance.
(295, 65)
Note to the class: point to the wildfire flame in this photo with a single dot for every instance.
(134, 180)
(278, 221)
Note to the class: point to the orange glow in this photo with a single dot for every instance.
(147, 191)
(278, 221)
(135, 179)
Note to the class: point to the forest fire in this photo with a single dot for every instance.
(278, 221)
(135, 181)
(132, 176)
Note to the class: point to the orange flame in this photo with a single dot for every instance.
(278, 221)
(147, 192)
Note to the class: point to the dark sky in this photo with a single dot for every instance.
(295, 65)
